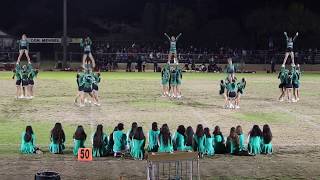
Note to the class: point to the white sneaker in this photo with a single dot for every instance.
(21, 97)
(179, 96)
(231, 106)
(226, 106)
(281, 100)
(81, 105)
(294, 100)
(237, 107)
(298, 99)
(31, 97)
(97, 104)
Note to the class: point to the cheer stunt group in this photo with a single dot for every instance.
(171, 76)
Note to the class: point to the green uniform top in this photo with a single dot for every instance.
(17, 72)
(231, 146)
(290, 42)
(219, 146)
(178, 73)
(77, 144)
(153, 140)
(283, 75)
(86, 45)
(97, 78)
(199, 143)
(295, 76)
(120, 141)
(23, 44)
(87, 80)
(208, 145)
(241, 142)
(32, 73)
(55, 147)
(179, 140)
(28, 147)
(232, 87)
(173, 44)
(165, 147)
(173, 77)
(241, 86)
(100, 151)
(222, 88)
(254, 146)
(24, 74)
(137, 149)
(165, 73)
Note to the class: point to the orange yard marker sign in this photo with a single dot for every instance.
(85, 154)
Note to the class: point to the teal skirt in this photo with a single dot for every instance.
(267, 148)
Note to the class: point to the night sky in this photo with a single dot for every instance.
(95, 17)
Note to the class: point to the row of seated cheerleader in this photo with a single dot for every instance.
(133, 143)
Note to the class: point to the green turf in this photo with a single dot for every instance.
(262, 117)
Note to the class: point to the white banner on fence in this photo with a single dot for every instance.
(45, 40)
(52, 40)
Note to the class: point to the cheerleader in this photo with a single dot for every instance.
(23, 48)
(289, 49)
(86, 44)
(173, 48)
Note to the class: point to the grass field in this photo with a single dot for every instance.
(128, 97)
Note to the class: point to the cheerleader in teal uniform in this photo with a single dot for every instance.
(223, 93)
(289, 49)
(173, 48)
(241, 86)
(189, 139)
(18, 77)
(153, 145)
(28, 141)
(241, 138)
(23, 48)
(232, 144)
(79, 139)
(137, 144)
(99, 142)
(296, 82)
(111, 142)
(178, 81)
(57, 139)
(120, 140)
(255, 141)
(219, 143)
(282, 76)
(199, 140)
(266, 140)
(180, 139)
(165, 78)
(165, 139)
(130, 133)
(86, 44)
(208, 144)
(32, 74)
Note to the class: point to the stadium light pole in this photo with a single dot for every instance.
(65, 38)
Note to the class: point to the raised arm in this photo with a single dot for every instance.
(295, 37)
(178, 36)
(167, 36)
(286, 35)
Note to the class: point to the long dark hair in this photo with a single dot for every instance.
(255, 131)
(182, 130)
(199, 131)
(189, 134)
(28, 134)
(207, 132)
(98, 137)
(138, 134)
(239, 130)
(80, 134)
(154, 126)
(233, 136)
(57, 133)
(165, 134)
(217, 131)
(134, 127)
(120, 127)
(267, 135)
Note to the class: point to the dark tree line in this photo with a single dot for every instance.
(246, 23)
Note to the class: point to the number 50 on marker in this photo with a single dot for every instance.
(85, 154)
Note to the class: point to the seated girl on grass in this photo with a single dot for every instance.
(57, 139)
(79, 138)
